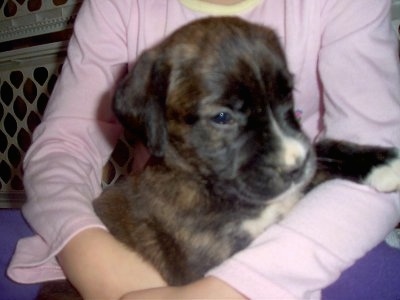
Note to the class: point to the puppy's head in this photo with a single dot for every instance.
(215, 98)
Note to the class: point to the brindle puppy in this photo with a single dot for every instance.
(214, 102)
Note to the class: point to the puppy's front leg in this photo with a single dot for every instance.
(376, 166)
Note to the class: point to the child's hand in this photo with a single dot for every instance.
(100, 267)
(206, 288)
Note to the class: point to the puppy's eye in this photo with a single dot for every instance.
(222, 118)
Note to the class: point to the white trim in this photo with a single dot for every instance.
(220, 9)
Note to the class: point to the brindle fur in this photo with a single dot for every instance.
(218, 183)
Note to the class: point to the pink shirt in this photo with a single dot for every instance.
(344, 58)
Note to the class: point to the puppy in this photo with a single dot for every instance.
(214, 103)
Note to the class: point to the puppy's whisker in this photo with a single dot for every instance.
(326, 159)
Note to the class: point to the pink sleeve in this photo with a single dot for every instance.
(63, 166)
(326, 233)
(338, 222)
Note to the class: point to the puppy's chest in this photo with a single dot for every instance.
(273, 212)
(238, 227)
(228, 231)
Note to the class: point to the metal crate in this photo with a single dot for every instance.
(33, 40)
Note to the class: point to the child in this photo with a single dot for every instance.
(343, 55)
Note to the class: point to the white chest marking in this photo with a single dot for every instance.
(273, 212)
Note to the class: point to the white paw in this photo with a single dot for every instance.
(386, 178)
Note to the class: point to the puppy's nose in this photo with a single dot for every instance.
(294, 154)
(293, 151)
(294, 172)
(294, 166)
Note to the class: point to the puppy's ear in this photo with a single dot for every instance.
(139, 102)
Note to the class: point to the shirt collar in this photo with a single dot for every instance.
(219, 9)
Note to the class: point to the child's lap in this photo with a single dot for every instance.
(12, 228)
(375, 276)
